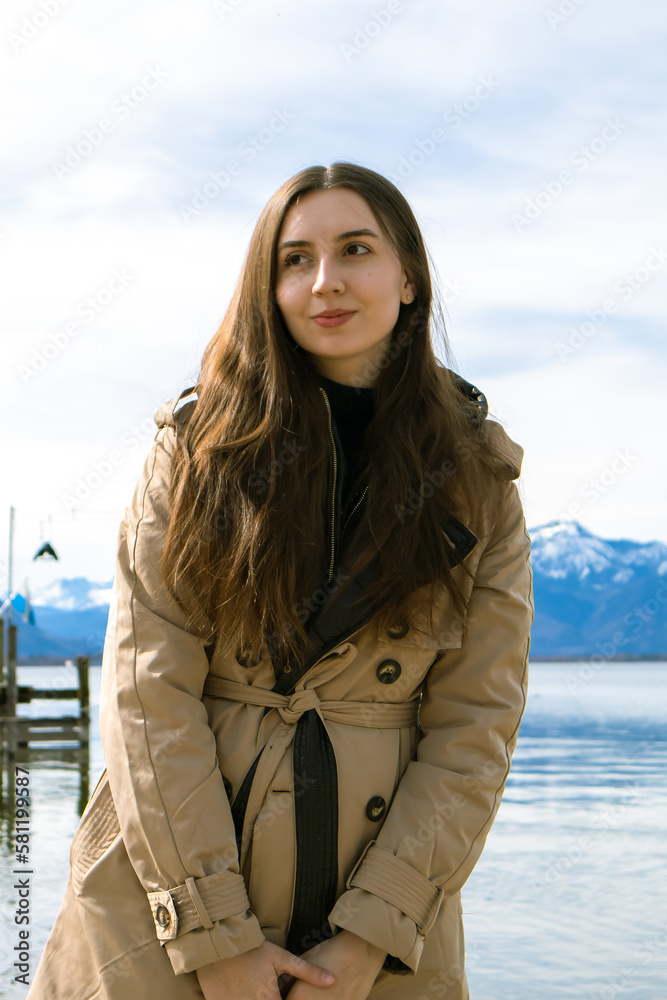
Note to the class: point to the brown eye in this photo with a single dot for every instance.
(293, 259)
(356, 247)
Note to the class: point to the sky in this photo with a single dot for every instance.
(140, 143)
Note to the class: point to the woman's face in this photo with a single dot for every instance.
(339, 284)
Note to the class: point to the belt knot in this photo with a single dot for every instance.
(297, 704)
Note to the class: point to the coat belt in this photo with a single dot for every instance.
(374, 715)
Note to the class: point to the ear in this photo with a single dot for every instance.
(408, 290)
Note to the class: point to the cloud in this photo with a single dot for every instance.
(573, 427)
(514, 100)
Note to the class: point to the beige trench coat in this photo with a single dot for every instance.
(157, 887)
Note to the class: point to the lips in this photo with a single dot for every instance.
(333, 317)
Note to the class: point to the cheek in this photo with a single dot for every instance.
(290, 302)
(285, 299)
(387, 299)
(383, 286)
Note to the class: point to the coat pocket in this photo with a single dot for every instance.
(97, 830)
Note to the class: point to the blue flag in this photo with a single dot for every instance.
(23, 607)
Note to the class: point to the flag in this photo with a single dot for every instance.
(28, 614)
(23, 607)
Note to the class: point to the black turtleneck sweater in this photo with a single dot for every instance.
(352, 409)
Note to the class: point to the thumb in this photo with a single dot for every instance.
(301, 969)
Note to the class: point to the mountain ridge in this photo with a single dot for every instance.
(594, 597)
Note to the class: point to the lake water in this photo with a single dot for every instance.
(569, 898)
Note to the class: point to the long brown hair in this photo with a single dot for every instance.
(247, 542)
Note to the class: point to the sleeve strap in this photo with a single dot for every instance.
(197, 903)
(379, 871)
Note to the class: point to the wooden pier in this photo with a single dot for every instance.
(39, 741)
(20, 731)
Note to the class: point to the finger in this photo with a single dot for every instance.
(301, 969)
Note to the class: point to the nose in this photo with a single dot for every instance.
(328, 277)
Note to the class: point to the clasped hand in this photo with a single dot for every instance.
(349, 968)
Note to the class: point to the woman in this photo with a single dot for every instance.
(316, 658)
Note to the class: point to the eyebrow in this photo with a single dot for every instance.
(338, 239)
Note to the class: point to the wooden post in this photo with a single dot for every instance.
(82, 665)
(84, 780)
(11, 670)
(2, 665)
(6, 816)
(10, 702)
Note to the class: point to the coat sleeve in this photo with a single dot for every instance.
(448, 797)
(160, 752)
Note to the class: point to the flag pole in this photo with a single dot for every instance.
(10, 562)
(10, 660)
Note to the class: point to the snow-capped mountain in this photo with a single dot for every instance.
(70, 620)
(563, 548)
(593, 597)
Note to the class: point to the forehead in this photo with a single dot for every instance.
(325, 214)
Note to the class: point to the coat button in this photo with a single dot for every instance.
(388, 671)
(162, 915)
(376, 808)
(398, 631)
(244, 659)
